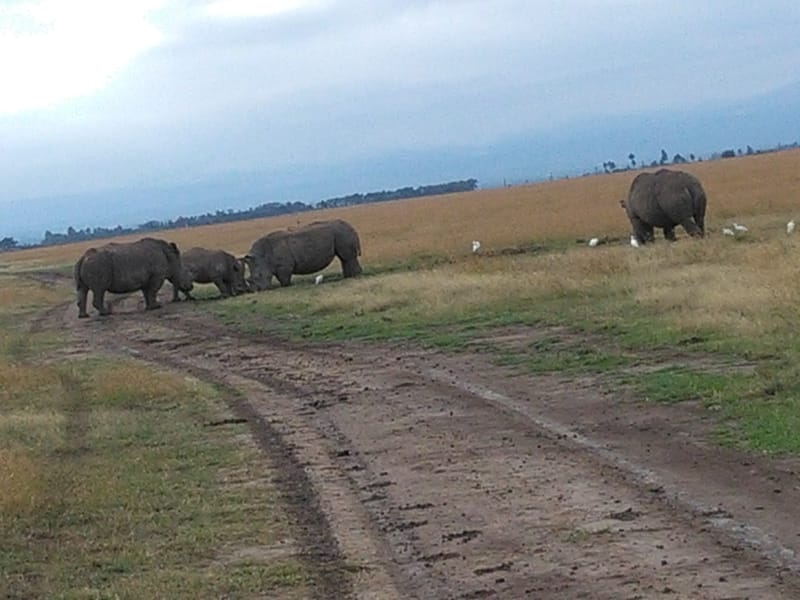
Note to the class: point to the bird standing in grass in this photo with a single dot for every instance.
(728, 231)
(790, 227)
(318, 279)
(634, 241)
(739, 228)
(475, 246)
(593, 242)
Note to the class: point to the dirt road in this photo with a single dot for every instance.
(415, 474)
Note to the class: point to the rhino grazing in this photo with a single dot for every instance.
(303, 251)
(213, 266)
(123, 268)
(665, 199)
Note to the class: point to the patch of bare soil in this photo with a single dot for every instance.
(416, 474)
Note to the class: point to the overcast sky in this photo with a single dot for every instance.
(102, 95)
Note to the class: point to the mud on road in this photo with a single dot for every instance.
(411, 473)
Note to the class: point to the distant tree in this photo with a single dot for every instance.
(728, 153)
(691, 157)
(8, 243)
(664, 157)
(678, 159)
(632, 158)
(750, 150)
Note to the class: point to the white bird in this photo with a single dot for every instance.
(634, 241)
(318, 279)
(738, 227)
(728, 231)
(475, 245)
(593, 242)
(790, 227)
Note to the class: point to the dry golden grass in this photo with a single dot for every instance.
(745, 187)
(132, 384)
(17, 293)
(717, 282)
(21, 482)
(16, 377)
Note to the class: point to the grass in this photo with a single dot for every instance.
(112, 484)
(734, 299)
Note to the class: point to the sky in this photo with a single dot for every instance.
(116, 112)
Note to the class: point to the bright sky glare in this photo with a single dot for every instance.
(256, 8)
(52, 51)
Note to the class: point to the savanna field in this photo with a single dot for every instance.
(86, 435)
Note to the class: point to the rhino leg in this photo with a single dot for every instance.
(642, 231)
(351, 268)
(82, 297)
(669, 234)
(98, 301)
(150, 292)
(701, 223)
(225, 288)
(284, 276)
(176, 297)
(692, 228)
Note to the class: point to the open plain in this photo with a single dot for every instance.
(540, 419)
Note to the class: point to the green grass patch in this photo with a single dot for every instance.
(112, 484)
(448, 306)
(680, 384)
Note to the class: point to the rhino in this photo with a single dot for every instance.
(121, 268)
(213, 266)
(665, 199)
(302, 251)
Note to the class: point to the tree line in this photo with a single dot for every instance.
(611, 166)
(269, 209)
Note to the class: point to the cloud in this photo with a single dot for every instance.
(54, 51)
(257, 8)
(196, 89)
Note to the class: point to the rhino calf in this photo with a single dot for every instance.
(124, 268)
(213, 266)
(665, 199)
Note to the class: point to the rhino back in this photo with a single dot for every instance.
(660, 199)
(133, 265)
(94, 270)
(309, 248)
(204, 265)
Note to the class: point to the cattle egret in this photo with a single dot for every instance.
(634, 241)
(790, 227)
(475, 245)
(593, 242)
(738, 227)
(318, 279)
(728, 231)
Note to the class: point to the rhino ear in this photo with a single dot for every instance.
(174, 247)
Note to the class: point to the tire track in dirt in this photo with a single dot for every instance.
(441, 493)
(319, 549)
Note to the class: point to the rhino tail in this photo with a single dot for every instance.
(76, 273)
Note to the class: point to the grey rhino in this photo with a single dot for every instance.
(665, 199)
(213, 266)
(122, 268)
(302, 251)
